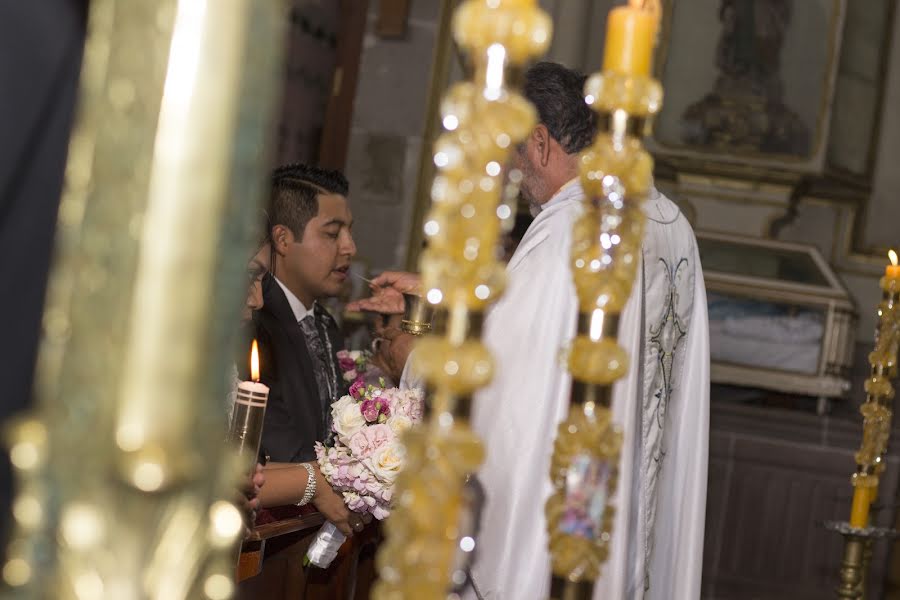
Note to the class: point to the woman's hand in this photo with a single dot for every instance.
(332, 506)
(250, 494)
(258, 481)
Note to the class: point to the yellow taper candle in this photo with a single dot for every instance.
(892, 271)
(859, 510)
(630, 37)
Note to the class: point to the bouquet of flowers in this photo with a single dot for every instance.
(366, 455)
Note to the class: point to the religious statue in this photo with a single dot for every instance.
(746, 110)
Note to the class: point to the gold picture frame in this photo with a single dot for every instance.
(743, 96)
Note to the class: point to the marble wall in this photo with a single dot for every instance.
(386, 135)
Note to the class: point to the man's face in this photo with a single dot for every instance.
(531, 186)
(317, 266)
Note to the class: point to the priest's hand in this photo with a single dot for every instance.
(387, 293)
(394, 350)
(332, 506)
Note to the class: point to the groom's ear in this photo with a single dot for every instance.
(282, 237)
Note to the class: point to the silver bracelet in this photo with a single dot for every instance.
(310, 485)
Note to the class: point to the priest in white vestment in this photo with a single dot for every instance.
(662, 405)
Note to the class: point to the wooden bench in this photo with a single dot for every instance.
(271, 561)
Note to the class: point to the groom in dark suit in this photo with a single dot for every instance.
(312, 246)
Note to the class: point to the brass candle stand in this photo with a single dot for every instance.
(616, 178)
(857, 555)
(429, 534)
(877, 412)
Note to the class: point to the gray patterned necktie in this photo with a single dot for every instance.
(318, 345)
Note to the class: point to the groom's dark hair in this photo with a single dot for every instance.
(295, 191)
(558, 95)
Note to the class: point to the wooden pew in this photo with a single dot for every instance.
(271, 561)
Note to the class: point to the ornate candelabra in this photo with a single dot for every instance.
(123, 492)
(429, 535)
(616, 176)
(877, 412)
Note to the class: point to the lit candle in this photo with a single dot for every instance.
(892, 271)
(246, 427)
(630, 37)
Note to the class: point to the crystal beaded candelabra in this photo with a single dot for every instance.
(616, 177)
(877, 412)
(430, 533)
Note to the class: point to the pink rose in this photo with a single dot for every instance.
(369, 439)
(373, 409)
(346, 363)
(358, 389)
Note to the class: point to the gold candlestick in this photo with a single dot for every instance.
(606, 240)
(484, 120)
(123, 491)
(877, 412)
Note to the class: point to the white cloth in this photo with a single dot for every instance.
(662, 406)
(410, 379)
(297, 307)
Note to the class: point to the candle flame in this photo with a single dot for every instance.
(254, 362)
(893, 256)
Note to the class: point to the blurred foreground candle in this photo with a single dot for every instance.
(616, 176)
(630, 37)
(246, 427)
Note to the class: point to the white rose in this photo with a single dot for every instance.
(350, 375)
(347, 421)
(387, 462)
(338, 406)
(399, 423)
(355, 355)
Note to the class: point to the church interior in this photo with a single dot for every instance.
(130, 191)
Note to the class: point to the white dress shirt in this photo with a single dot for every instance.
(300, 311)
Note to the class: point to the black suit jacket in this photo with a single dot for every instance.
(295, 418)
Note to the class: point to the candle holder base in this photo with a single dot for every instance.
(854, 564)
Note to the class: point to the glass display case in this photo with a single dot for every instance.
(779, 317)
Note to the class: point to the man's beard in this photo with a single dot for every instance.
(525, 193)
(534, 207)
